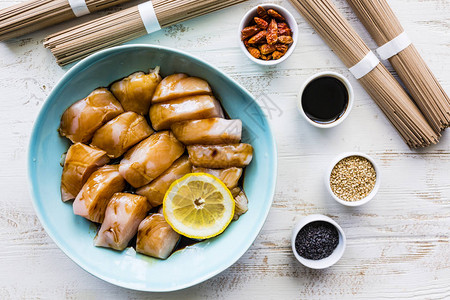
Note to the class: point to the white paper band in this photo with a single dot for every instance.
(79, 7)
(148, 17)
(394, 46)
(367, 64)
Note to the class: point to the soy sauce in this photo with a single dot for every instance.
(325, 100)
(185, 242)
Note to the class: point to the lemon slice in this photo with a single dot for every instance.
(198, 206)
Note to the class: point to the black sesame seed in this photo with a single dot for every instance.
(316, 240)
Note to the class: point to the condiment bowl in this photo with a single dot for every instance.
(349, 88)
(327, 261)
(290, 20)
(363, 200)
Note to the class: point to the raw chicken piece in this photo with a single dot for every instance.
(135, 92)
(163, 115)
(180, 85)
(240, 201)
(93, 198)
(122, 132)
(166, 85)
(84, 117)
(123, 215)
(155, 190)
(80, 162)
(148, 159)
(220, 156)
(208, 131)
(230, 177)
(235, 191)
(155, 237)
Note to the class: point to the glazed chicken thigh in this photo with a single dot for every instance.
(93, 198)
(155, 190)
(220, 156)
(84, 117)
(80, 162)
(148, 159)
(240, 201)
(180, 85)
(121, 133)
(163, 115)
(135, 92)
(155, 237)
(208, 131)
(123, 215)
(230, 177)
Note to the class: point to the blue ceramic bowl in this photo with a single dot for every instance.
(74, 235)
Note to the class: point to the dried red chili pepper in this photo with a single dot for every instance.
(249, 31)
(261, 11)
(285, 39)
(261, 23)
(275, 14)
(257, 38)
(267, 49)
(283, 29)
(272, 32)
(254, 52)
(277, 55)
(281, 48)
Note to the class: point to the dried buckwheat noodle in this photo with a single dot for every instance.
(33, 15)
(379, 19)
(379, 83)
(77, 42)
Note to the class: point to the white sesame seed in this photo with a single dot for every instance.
(353, 178)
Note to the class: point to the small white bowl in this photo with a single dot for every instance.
(290, 20)
(363, 200)
(327, 261)
(349, 88)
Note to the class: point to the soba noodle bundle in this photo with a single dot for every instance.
(379, 83)
(78, 42)
(33, 15)
(379, 19)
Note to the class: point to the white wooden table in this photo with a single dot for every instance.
(398, 244)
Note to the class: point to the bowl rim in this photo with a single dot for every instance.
(79, 67)
(289, 19)
(331, 260)
(351, 98)
(363, 200)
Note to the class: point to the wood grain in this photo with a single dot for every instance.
(398, 244)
